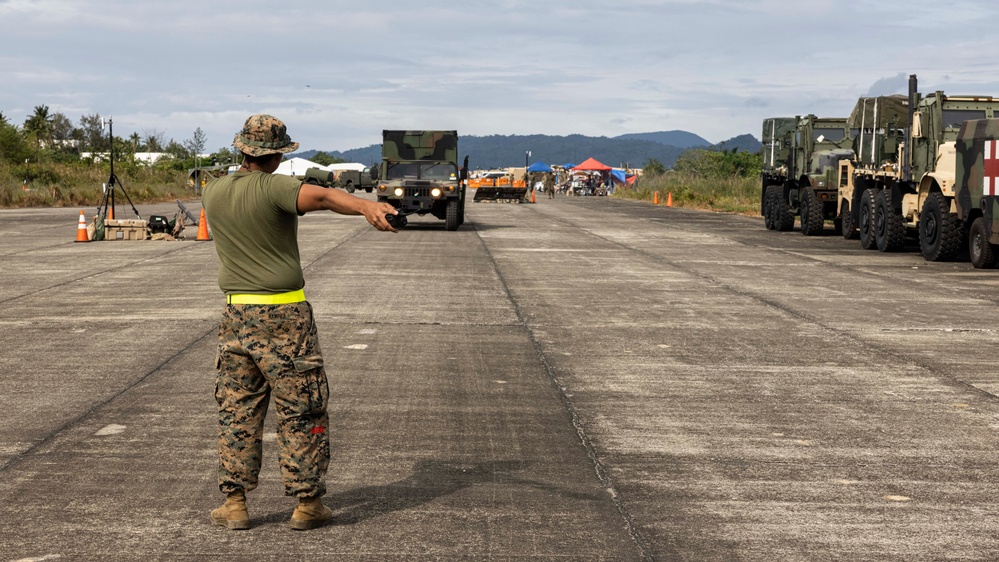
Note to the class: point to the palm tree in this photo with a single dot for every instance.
(39, 124)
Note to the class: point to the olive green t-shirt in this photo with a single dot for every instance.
(253, 219)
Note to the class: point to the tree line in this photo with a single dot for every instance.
(53, 137)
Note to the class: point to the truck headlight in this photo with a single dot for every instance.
(382, 188)
(398, 192)
(436, 192)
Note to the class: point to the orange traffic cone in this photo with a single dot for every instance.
(533, 198)
(655, 198)
(203, 228)
(111, 212)
(81, 230)
(669, 198)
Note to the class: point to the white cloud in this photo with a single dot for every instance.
(338, 72)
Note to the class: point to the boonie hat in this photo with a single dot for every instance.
(264, 134)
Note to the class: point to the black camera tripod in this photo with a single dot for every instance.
(107, 200)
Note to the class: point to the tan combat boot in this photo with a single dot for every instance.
(309, 514)
(233, 512)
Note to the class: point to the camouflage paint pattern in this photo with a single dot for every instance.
(262, 135)
(438, 146)
(264, 351)
(406, 156)
(970, 189)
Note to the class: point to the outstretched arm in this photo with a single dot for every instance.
(314, 198)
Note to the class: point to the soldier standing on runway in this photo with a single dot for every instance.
(268, 343)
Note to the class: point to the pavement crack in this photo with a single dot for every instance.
(565, 398)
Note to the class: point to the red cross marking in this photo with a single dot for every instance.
(990, 183)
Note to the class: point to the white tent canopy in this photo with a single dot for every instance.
(297, 167)
(345, 166)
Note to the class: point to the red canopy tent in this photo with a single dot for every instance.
(592, 165)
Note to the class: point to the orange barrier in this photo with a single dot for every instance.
(203, 228)
(81, 230)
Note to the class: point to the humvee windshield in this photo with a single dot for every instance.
(428, 171)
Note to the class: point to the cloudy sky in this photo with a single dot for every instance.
(339, 72)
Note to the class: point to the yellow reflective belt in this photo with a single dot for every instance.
(279, 298)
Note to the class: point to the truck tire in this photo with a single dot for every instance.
(812, 220)
(368, 189)
(769, 214)
(941, 234)
(350, 187)
(451, 219)
(982, 253)
(847, 228)
(866, 215)
(783, 219)
(889, 231)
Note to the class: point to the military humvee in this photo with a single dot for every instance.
(420, 174)
(976, 188)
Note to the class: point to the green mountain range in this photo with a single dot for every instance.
(501, 151)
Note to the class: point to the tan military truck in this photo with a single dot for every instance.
(904, 187)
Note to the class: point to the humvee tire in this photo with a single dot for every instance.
(982, 253)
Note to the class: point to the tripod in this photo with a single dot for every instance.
(107, 201)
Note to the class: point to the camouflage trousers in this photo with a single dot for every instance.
(264, 351)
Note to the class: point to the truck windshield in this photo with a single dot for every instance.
(428, 171)
(831, 135)
(952, 118)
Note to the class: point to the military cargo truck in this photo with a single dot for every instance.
(976, 188)
(911, 195)
(800, 176)
(878, 126)
(420, 175)
(777, 134)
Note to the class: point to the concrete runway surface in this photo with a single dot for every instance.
(578, 379)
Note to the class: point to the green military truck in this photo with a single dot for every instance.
(352, 180)
(976, 188)
(907, 190)
(801, 157)
(420, 175)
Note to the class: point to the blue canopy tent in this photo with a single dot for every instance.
(539, 167)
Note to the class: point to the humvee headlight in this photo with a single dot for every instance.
(436, 192)
(382, 188)
(398, 192)
(449, 187)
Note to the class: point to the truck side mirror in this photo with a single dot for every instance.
(374, 173)
(463, 173)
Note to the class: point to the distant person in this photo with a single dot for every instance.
(268, 343)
